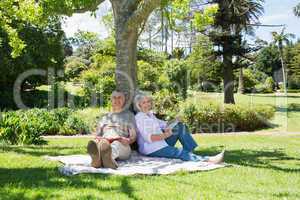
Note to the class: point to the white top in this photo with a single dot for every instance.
(147, 125)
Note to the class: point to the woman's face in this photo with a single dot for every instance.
(145, 104)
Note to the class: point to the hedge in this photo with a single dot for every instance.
(27, 126)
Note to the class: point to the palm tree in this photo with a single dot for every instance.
(297, 10)
(279, 39)
(233, 17)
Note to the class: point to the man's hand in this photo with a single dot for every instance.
(124, 140)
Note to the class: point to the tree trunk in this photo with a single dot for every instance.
(283, 68)
(129, 16)
(162, 29)
(228, 76)
(241, 88)
(126, 69)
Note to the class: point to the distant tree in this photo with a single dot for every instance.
(204, 65)
(44, 49)
(232, 17)
(297, 10)
(292, 57)
(280, 39)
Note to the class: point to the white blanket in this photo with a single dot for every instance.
(137, 164)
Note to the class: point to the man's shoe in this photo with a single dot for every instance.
(93, 148)
(217, 159)
(106, 155)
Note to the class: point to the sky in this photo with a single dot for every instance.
(276, 12)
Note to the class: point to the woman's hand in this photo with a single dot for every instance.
(178, 118)
(167, 132)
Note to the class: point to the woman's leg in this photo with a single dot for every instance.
(173, 152)
(181, 133)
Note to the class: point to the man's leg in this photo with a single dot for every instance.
(106, 154)
(181, 133)
(93, 148)
(120, 151)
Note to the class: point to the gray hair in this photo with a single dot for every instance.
(138, 98)
(117, 93)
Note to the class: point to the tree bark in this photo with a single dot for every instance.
(228, 76)
(129, 16)
(241, 88)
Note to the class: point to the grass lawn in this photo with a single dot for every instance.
(265, 167)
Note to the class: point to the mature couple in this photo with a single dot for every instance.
(119, 129)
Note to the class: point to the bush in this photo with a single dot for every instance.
(212, 117)
(148, 76)
(249, 80)
(27, 127)
(99, 81)
(267, 87)
(166, 104)
(74, 66)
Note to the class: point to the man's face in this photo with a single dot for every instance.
(118, 101)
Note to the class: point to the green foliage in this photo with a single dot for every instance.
(268, 60)
(27, 127)
(205, 18)
(292, 58)
(203, 64)
(148, 76)
(267, 87)
(153, 57)
(177, 72)
(212, 117)
(44, 49)
(24, 12)
(99, 81)
(250, 80)
(74, 66)
(85, 42)
(166, 104)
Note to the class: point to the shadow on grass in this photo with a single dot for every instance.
(47, 183)
(256, 158)
(44, 150)
(274, 96)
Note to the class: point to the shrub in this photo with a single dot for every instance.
(98, 84)
(267, 87)
(166, 103)
(249, 80)
(212, 117)
(74, 66)
(27, 126)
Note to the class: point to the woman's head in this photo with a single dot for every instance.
(143, 102)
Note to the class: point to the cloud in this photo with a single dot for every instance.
(86, 22)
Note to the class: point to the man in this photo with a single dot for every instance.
(115, 132)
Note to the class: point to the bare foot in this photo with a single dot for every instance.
(217, 159)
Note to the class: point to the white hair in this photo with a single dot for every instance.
(138, 98)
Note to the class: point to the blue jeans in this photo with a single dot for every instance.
(181, 133)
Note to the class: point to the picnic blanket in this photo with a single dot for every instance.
(137, 164)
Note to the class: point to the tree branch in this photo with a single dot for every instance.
(85, 8)
(62, 8)
(142, 12)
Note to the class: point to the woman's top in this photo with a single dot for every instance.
(147, 125)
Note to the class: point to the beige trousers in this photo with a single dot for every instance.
(120, 151)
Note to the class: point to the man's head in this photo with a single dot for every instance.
(117, 101)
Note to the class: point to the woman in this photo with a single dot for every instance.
(157, 140)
